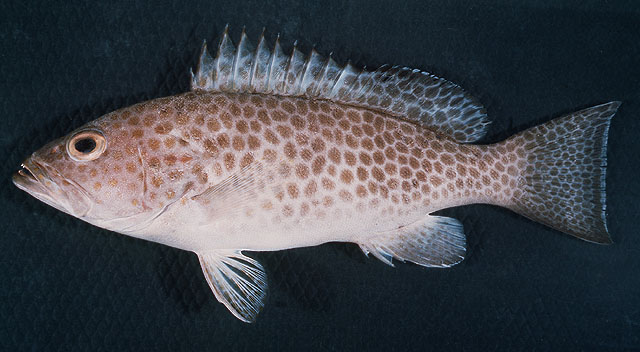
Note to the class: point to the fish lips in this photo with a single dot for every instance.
(36, 179)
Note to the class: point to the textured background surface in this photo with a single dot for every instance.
(66, 285)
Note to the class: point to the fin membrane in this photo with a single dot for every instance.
(402, 92)
(239, 190)
(436, 241)
(563, 181)
(237, 281)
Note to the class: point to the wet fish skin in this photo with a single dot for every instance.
(300, 153)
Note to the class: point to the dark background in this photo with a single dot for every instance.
(65, 285)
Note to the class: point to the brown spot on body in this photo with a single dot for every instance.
(328, 184)
(317, 145)
(292, 189)
(287, 211)
(163, 128)
(378, 174)
(318, 164)
(311, 188)
(345, 195)
(157, 181)
(213, 125)
(302, 171)
(137, 134)
(223, 140)
(334, 155)
(154, 163)
(346, 176)
(131, 167)
(170, 142)
(271, 137)
(237, 143)
(229, 161)
(154, 144)
(289, 150)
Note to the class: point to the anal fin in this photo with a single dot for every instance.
(237, 281)
(435, 241)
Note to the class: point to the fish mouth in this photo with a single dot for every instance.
(35, 179)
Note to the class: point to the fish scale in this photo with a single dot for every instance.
(269, 152)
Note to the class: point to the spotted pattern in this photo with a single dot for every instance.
(398, 91)
(563, 165)
(335, 161)
(330, 158)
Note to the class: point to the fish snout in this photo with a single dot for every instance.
(38, 180)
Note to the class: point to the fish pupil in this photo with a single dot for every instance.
(85, 145)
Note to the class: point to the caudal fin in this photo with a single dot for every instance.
(562, 183)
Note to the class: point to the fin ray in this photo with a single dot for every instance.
(435, 241)
(563, 181)
(401, 92)
(237, 281)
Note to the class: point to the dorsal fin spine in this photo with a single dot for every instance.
(402, 92)
(257, 57)
(235, 81)
(322, 79)
(306, 71)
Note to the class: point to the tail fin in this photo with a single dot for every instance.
(562, 183)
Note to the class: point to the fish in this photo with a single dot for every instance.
(269, 151)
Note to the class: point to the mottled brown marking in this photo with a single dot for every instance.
(328, 184)
(390, 168)
(242, 126)
(237, 143)
(270, 155)
(223, 140)
(246, 160)
(137, 134)
(317, 145)
(334, 155)
(229, 161)
(346, 176)
(163, 128)
(210, 147)
(154, 163)
(176, 175)
(378, 174)
(271, 137)
(292, 189)
(306, 154)
(349, 158)
(287, 211)
(157, 181)
(131, 167)
(345, 195)
(302, 171)
(213, 125)
(378, 157)
(154, 144)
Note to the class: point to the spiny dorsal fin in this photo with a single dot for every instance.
(399, 91)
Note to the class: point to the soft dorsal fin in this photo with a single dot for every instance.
(402, 92)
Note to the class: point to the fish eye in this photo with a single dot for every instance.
(86, 145)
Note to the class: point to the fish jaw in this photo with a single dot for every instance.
(47, 185)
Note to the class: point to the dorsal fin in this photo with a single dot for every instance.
(402, 92)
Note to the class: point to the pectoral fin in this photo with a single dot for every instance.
(435, 241)
(240, 190)
(237, 281)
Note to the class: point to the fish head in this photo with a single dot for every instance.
(94, 173)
